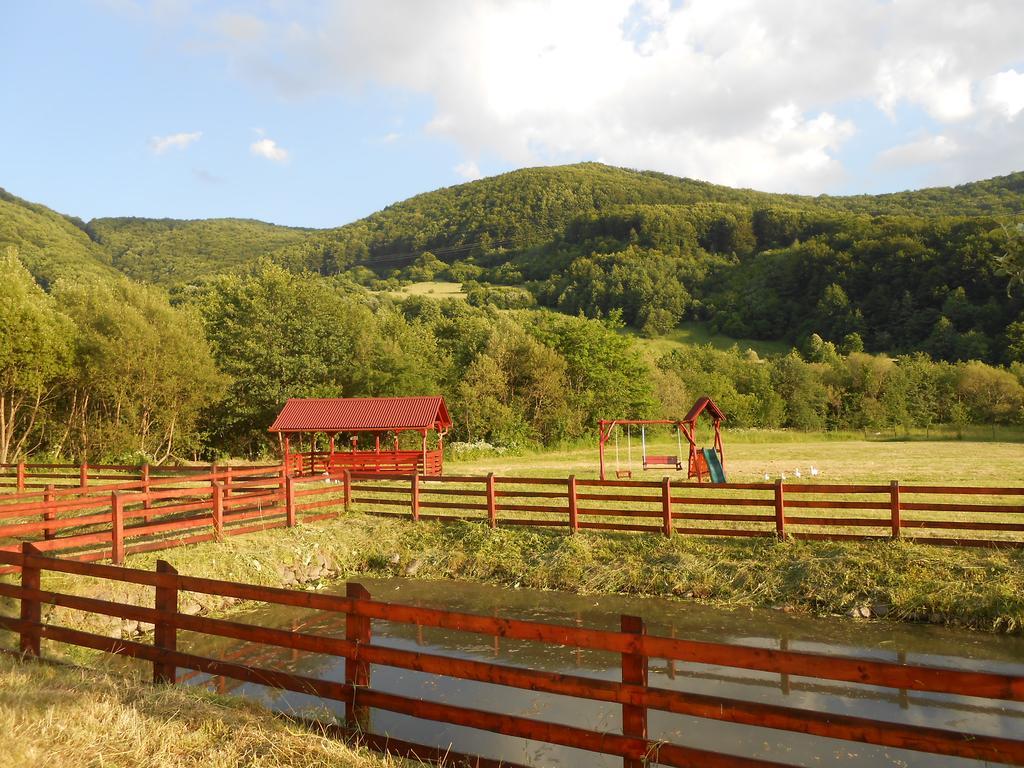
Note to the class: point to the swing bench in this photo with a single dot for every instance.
(647, 461)
(654, 461)
(669, 462)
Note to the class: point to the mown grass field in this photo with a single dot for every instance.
(437, 289)
(940, 462)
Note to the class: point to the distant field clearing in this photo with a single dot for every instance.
(438, 289)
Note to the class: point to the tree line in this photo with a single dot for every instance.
(108, 369)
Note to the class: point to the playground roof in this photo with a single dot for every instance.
(704, 403)
(362, 414)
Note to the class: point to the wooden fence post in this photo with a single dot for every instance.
(48, 511)
(894, 507)
(357, 671)
(227, 481)
(147, 503)
(21, 476)
(666, 506)
(214, 469)
(165, 631)
(574, 521)
(414, 496)
(492, 504)
(116, 528)
(780, 511)
(31, 610)
(289, 501)
(218, 510)
(634, 672)
(83, 475)
(348, 490)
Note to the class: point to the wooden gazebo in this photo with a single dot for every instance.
(354, 417)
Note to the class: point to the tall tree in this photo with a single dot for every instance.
(35, 357)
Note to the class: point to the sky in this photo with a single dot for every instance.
(318, 113)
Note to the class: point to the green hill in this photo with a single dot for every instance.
(894, 273)
(172, 252)
(528, 207)
(49, 244)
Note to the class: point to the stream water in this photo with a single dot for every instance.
(921, 644)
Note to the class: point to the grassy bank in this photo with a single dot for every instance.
(977, 588)
(53, 715)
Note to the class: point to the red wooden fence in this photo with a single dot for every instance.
(112, 521)
(949, 515)
(152, 508)
(633, 692)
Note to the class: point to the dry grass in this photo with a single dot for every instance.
(54, 715)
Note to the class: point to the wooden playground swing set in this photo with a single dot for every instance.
(701, 462)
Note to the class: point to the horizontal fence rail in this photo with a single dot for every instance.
(24, 476)
(632, 692)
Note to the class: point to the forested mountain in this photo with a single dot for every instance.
(892, 273)
(895, 273)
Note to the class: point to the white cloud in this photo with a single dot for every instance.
(1004, 93)
(390, 138)
(161, 144)
(748, 92)
(468, 170)
(268, 148)
(926, 150)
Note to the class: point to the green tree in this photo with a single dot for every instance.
(35, 358)
(991, 395)
(144, 371)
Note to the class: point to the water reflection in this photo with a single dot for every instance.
(891, 642)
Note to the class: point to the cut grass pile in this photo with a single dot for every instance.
(54, 715)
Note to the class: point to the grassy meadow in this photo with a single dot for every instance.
(689, 333)
(751, 454)
(437, 289)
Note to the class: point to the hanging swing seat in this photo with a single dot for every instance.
(623, 474)
(653, 462)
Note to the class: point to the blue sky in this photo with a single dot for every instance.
(315, 114)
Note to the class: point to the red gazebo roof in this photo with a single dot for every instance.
(362, 414)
